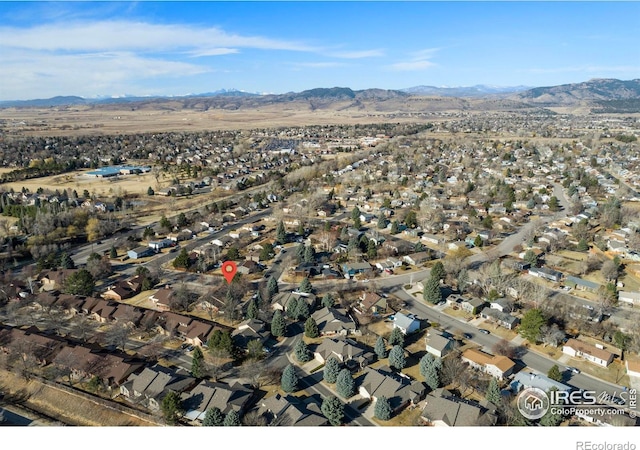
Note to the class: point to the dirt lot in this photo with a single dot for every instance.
(66, 407)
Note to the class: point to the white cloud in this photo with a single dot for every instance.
(358, 54)
(412, 65)
(420, 60)
(128, 35)
(319, 65)
(213, 52)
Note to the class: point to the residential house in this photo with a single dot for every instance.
(346, 351)
(160, 244)
(632, 298)
(197, 332)
(503, 319)
(438, 344)
(250, 330)
(523, 380)
(103, 311)
(86, 363)
(151, 385)
(140, 252)
(407, 323)
(472, 305)
(206, 395)
(292, 411)
(593, 353)
(38, 346)
(399, 389)
(545, 273)
(372, 303)
(332, 321)
(54, 279)
(497, 366)
(173, 324)
(127, 314)
(162, 298)
(443, 408)
(581, 284)
(119, 292)
(633, 368)
(282, 299)
(416, 259)
(352, 269)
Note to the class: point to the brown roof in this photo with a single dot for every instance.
(588, 349)
(163, 296)
(501, 362)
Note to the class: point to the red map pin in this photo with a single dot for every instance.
(229, 270)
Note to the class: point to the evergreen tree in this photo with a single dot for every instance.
(197, 363)
(289, 379)
(302, 311)
(272, 287)
(372, 250)
(172, 408)
(582, 245)
(309, 254)
(311, 328)
(331, 370)
(281, 234)
(395, 228)
(300, 249)
(213, 417)
(345, 385)
(531, 324)
(493, 394)
(303, 354)
(113, 253)
(552, 417)
(278, 324)
(150, 191)
(327, 300)
(252, 310)
(79, 283)
(477, 242)
(430, 369)
(382, 222)
(431, 292)
(382, 410)
(333, 409)
(437, 271)
(232, 419)
(396, 337)
(397, 358)
(66, 262)
(182, 260)
(292, 308)
(554, 373)
(305, 286)
(380, 348)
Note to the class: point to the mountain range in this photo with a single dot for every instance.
(600, 95)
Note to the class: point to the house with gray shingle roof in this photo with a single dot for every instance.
(400, 390)
(333, 321)
(442, 408)
(151, 385)
(292, 411)
(207, 395)
(407, 323)
(346, 351)
(437, 344)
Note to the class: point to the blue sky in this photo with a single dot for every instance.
(177, 48)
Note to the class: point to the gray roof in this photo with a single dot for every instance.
(528, 379)
(404, 321)
(441, 405)
(207, 395)
(292, 411)
(438, 342)
(346, 349)
(397, 389)
(333, 320)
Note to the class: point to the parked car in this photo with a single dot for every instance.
(573, 370)
(467, 336)
(483, 331)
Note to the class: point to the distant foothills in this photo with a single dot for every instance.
(603, 95)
